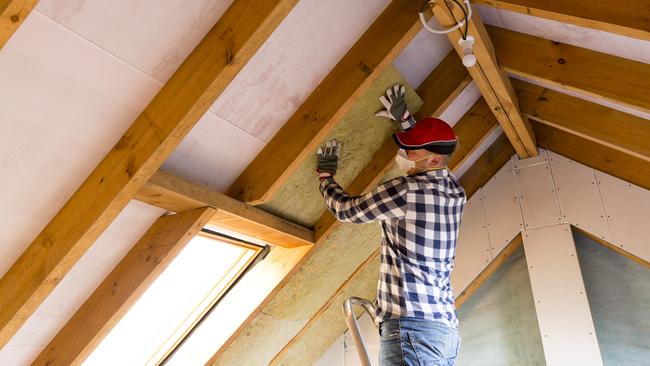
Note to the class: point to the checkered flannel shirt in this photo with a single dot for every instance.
(420, 216)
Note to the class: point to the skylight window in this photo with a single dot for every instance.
(174, 302)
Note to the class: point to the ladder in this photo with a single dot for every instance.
(353, 325)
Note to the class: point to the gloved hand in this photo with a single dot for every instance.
(327, 158)
(395, 103)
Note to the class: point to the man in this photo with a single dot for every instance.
(420, 214)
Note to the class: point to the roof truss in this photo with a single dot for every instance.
(12, 15)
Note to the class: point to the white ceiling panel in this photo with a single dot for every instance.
(311, 40)
(79, 283)
(65, 104)
(596, 40)
(154, 36)
(421, 56)
(214, 153)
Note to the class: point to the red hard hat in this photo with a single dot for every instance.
(432, 134)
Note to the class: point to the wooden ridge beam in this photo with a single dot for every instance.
(188, 94)
(627, 18)
(614, 79)
(12, 15)
(437, 92)
(331, 100)
(490, 79)
(612, 128)
(173, 193)
(594, 155)
(113, 298)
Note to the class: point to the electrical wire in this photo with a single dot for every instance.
(464, 15)
(467, 14)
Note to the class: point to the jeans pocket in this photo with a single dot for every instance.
(391, 336)
(429, 348)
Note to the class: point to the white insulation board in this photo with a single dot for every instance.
(539, 204)
(563, 313)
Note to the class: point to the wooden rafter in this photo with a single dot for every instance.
(606, 126)
(615, 79)
(138, 154)
(490, 79)
(439, 95)
(123, 287)
(329, 102)
(488, 164)
(437, 91)
(176, 194)
(627, 18)
(592, 154)
(12, 15)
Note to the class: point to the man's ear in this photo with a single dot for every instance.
(435, 160)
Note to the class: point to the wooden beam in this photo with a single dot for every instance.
(617, 130)
(594, 155)
(475, 126)
(173, 193)
(437, 91)
(489, 270)
(137, 155)
(488, 164)
(614, 79)
(490, 79)
(123, 287)
(627, 18)
(331, 100)
(12, 15)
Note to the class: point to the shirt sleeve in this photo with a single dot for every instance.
(387, 201)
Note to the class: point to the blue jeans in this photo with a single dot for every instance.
(417, 342)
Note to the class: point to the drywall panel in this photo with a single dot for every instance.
(539, 204)
(596, 40)
(498, 324)
(421, 56)
(65, 103)
(473, 245)
(293, 61)
(618, 290)
(79, 283)
(576, 188)
(334, 356)
(167, 30)
(628, 213)
(560, 298)
(502, 211)
(299, 198)
(463, 102)
(485, 144)
(214, 153)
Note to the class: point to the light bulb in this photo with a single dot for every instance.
(469, 59)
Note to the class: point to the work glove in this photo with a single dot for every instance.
(395, 102)
(327, 159)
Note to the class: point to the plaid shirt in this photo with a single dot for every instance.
(420, 216)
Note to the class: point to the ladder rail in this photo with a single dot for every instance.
(353, 325)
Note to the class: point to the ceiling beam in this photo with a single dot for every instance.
(612, 128)
(176, 194)
(611, 78)
(197, 83)
(627, 18)
(594, 155)
(438, 90)
(488, 164)
(327, 105)
(119, 291)
(12, 15)
(490, 79)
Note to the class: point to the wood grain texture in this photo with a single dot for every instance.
(627, 18)
(12, 15)
(594, 155)
(607, 126)
(493, 83)
(493, 159)
(471, 130)
(437, 91)
(173, 193)
(335, 95)
(615, 79)
(137, 155)
(123, 287)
